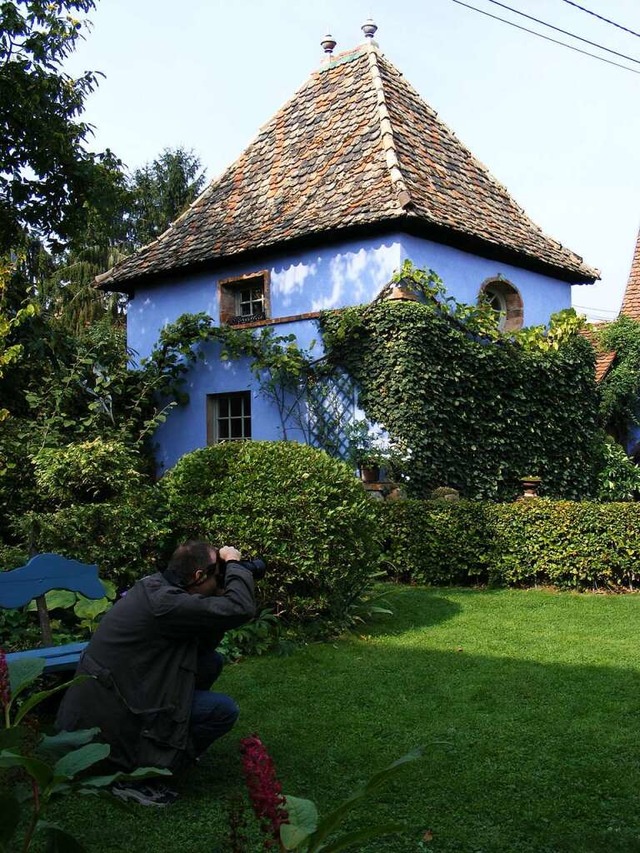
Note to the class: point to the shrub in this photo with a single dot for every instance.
(434, 542)
(122, 536)
(95, 470)
(577, 545)
(303, 511)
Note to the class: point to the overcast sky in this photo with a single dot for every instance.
(559, 129)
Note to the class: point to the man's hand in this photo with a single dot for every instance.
(228, 552)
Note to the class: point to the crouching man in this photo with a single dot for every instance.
(154, 659)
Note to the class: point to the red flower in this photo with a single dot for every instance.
(265, 791)
(5, 684)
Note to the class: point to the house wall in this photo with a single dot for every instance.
(343, 274)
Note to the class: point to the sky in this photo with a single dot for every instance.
(559, 129)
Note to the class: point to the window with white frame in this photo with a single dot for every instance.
(244, 299)
(228, 417)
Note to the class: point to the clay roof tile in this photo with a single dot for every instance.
(356, 146)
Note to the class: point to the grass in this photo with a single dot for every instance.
(528, 703)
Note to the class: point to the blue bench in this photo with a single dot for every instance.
(40, 575)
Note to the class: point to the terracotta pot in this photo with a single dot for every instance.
(369, 473)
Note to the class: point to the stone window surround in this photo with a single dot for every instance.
(227, 292)
(510, 297)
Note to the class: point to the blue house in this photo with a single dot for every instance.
(354, 175)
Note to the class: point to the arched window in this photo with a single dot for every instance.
(506, 301)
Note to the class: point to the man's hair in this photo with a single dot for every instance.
(186, 560)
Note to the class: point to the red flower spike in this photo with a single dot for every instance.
(265, 791)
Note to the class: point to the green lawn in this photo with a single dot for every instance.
(528, 703)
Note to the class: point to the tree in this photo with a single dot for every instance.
(161, 191)
(46, 173)
(125, 212)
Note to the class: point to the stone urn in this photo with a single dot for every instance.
(530, 486)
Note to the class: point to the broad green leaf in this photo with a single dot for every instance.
(34, 700)
(303, 820)
(55, 599)
(87, 608)
(75, 762)
(53, 747)
(24, 672)
(40, 771)
(9, 817)
(11, 738)
(140, 773)
(329, 823)
(358, 836)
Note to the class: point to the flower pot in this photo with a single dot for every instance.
(530, 486)
(369, 473)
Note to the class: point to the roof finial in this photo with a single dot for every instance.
(328, 43)
(369, 28)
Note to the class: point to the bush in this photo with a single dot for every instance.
(87, 471)
(435, 542)
(123, 537)
(303, 511)
(577, 545)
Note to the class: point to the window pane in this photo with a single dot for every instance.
(235, 405)
(231, 415)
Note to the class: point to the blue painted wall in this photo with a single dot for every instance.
(331, 277)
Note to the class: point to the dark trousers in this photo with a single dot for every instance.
(212, 714)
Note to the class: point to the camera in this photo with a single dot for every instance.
(256, 566)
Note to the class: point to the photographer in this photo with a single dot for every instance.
(153, 660)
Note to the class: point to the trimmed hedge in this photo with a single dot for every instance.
(296, 506)
(123, 537)
(576, 545)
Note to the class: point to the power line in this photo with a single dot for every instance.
(547, 38)
(606, 20)
(565, 32)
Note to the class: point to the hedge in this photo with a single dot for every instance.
(292, 504)
(572, 545)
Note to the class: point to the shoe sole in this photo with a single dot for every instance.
(134, 797)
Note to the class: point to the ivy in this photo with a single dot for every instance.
(478, 409)
(621, 386)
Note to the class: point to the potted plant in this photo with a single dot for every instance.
(370, 450)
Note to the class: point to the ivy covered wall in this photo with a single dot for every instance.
(477, 409)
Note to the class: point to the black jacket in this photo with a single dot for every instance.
(143, 657)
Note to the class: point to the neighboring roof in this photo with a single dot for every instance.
(603, 358)
(355, 148)
(631, 299)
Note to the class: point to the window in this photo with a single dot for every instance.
(244, 299)
(228, 417)
(506, 301)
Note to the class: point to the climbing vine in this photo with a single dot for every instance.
(478, 409)
(621, 386)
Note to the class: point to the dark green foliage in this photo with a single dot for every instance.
(161, 191)
(478, 410)
(303, 511)
(90, 471)
(435, 542)
(621, 385)
(121, 536)
(45, 171)
(577, 545)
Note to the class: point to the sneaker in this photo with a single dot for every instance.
(144, 793)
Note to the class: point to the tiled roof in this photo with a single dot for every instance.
(603, 358)
(631, 299)
(356, 147)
